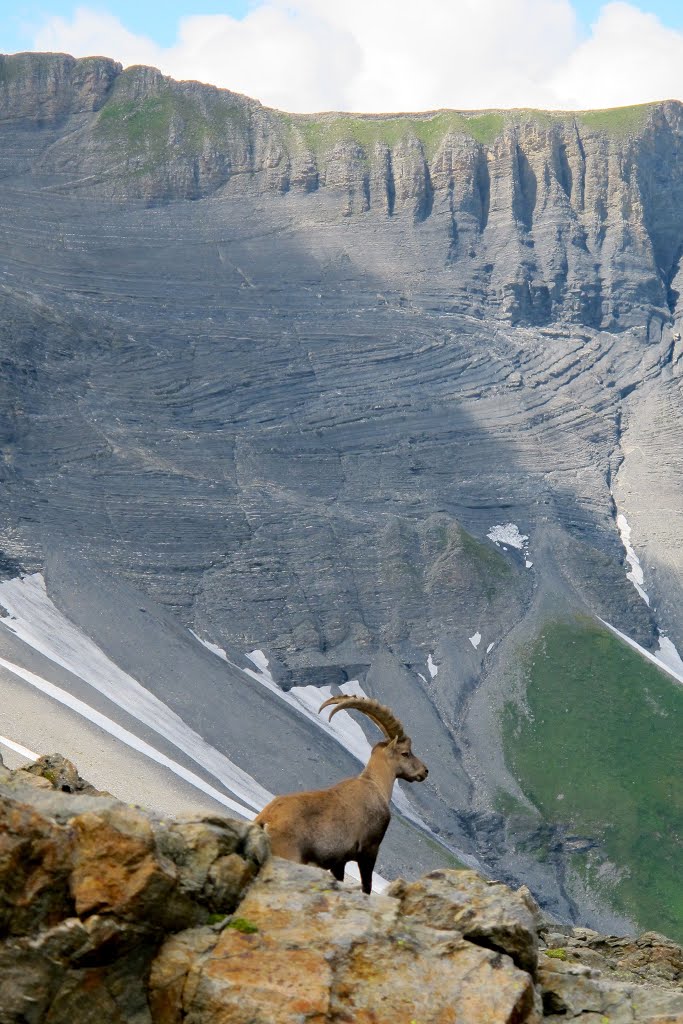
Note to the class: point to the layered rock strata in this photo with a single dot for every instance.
(535, 216)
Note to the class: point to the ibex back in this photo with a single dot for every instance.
(346, 822)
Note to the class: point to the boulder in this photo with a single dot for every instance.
(484, 912)
(109, 913)
(304, 947)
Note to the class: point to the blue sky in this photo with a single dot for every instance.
(668, 11)
(306, 55)
(159, 20)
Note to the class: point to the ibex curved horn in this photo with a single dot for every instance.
(378, 713)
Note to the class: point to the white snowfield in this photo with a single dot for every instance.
(30, 755)
(34, 618)
(667, 657)
(508, 535)
(129, 738)
(668, 654)
(635, 574)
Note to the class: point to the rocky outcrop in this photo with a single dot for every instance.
(90, 886)
(108, 913)
(46, 88)
(334, 955)
(582, 974)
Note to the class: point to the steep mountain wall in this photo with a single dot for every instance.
(534, 216)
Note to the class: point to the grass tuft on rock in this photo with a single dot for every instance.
(240, 924)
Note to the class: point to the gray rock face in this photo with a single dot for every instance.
(282, 376)
(45, 88)
(534, 217)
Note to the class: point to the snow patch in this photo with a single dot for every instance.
(636, 572)
(214, 648)
(18, 749)
(119, 733)
(259, 659)
(475, 640)
(668, 654)
(433, 669)
(490, 648)
(508, 534)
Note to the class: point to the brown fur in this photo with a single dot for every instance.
(347, 821)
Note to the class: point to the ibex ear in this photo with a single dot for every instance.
(392, 743)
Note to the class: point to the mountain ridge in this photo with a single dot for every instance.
(538, 177)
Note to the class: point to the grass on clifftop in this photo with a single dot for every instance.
(171, 122)
(600, 752)
(322, 132)
(617, 120)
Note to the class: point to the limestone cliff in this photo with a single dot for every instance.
(535, 216)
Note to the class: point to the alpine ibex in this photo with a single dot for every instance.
(347, 821)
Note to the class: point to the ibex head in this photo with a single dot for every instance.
(397, 747)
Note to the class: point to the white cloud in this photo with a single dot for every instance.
(96, 33)
(629, 58)
(364, 55)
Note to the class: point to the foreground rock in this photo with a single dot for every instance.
(307, 948)
(110, 914)
(89, 887)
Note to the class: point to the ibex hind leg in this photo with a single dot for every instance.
(366, 865)
(338, 870)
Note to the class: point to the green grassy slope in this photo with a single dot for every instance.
(604, 729)
(321, 131)
(170, 118)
